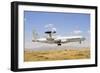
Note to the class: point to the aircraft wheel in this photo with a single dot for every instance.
(59, 44)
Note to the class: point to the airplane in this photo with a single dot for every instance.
(51, 39)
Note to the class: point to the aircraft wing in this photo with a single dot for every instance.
(69, 39)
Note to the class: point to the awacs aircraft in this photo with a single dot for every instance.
(51, 39)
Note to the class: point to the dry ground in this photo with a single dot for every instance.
(47, 55)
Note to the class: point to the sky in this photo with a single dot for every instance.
(66, 24)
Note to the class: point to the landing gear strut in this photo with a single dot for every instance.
(59, 43)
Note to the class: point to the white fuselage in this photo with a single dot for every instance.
(60, 40)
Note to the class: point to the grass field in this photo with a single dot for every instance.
(47, 55)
